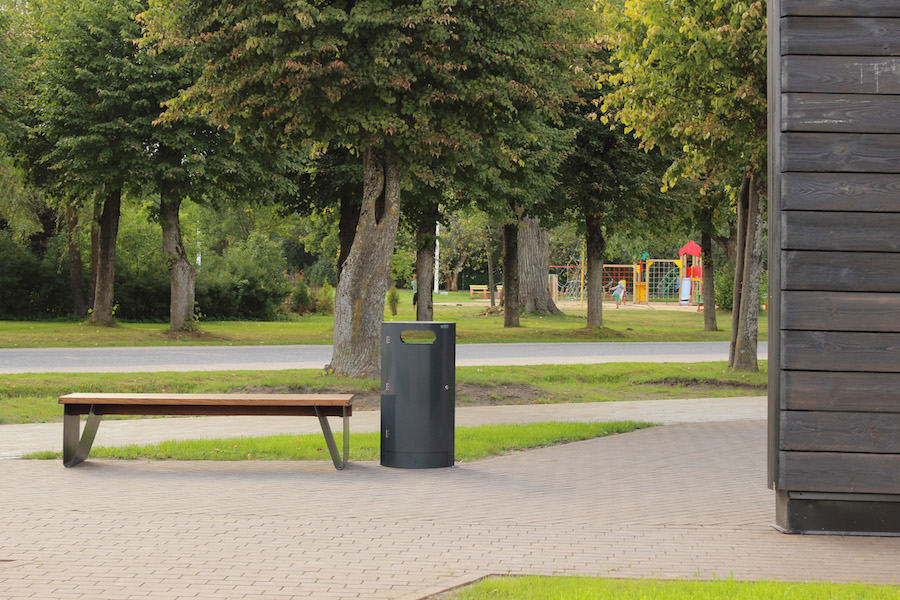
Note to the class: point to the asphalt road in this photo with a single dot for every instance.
(231, 358)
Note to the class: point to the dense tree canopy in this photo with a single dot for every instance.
(95, 134)
(400, 83)
(419, 78)
(692, 75)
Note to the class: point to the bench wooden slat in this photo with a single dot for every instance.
(208, 399)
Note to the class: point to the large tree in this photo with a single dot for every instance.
(397, 83)
(692, 75)
(95, 135)
(610, 184)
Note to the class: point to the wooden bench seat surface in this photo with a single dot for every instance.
(159, 399)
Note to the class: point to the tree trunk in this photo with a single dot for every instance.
(709, 271)
(739, 256)
(453, 274)
(359, 297)
(595, 248)
(747, 332)
(490, 266)
(425, 242)
(182, 276)
(510, 297)
(76, 266)
(347, 229)
(104, 296)
(95, 253)
(534, 268)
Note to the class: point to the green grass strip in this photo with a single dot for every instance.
(32, 397)
(589, 588)
(472, 443)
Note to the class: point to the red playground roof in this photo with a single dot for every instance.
(690, 248)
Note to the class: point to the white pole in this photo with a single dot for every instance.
(437, 255)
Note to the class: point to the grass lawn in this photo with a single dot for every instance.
(32, 397)
(588, 588)
(471, 443)
(473, 326)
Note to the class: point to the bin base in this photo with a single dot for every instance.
(416, 460)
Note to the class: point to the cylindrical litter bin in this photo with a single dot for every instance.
(418, 394)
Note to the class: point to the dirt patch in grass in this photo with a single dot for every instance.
(467, 394)
(195, 336)
(705, 383)
(594, 333)
(470, 394)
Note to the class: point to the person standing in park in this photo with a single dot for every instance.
(415, 288)
(620, 292)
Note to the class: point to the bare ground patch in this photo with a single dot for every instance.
(719, 384)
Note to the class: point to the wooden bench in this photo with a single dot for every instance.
(76, 450)
(478, 291)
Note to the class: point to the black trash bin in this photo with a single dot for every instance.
(418, 394)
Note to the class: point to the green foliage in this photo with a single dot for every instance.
(325, 300)
(424, 79)
(142, 296)
(403, 260)
(142, 282)
(692, 76)
(725, 285)
(300, 298)
(608, 177)
(29, 287)
(322, 272)
(393, 300)
(13, 49)
(245, 282)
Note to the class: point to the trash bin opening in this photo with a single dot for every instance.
(417, 336)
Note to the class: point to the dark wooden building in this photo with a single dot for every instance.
(834, 350)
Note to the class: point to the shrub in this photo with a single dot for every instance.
(246, 282)
(393, 300)
(300, 298)
(142, 296)
(725, 285)
(321, 272)
(325, 300)
(30, 288)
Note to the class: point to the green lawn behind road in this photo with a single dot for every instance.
(473, 326)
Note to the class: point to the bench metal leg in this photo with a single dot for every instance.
(75, 450)
(339, 463)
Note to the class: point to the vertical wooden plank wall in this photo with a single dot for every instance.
(834, 447)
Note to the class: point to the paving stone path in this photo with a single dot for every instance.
(678, 501)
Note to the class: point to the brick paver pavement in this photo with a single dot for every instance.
(681, 501)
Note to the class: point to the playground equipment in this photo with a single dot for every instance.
(691, 280)
(649, 280)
